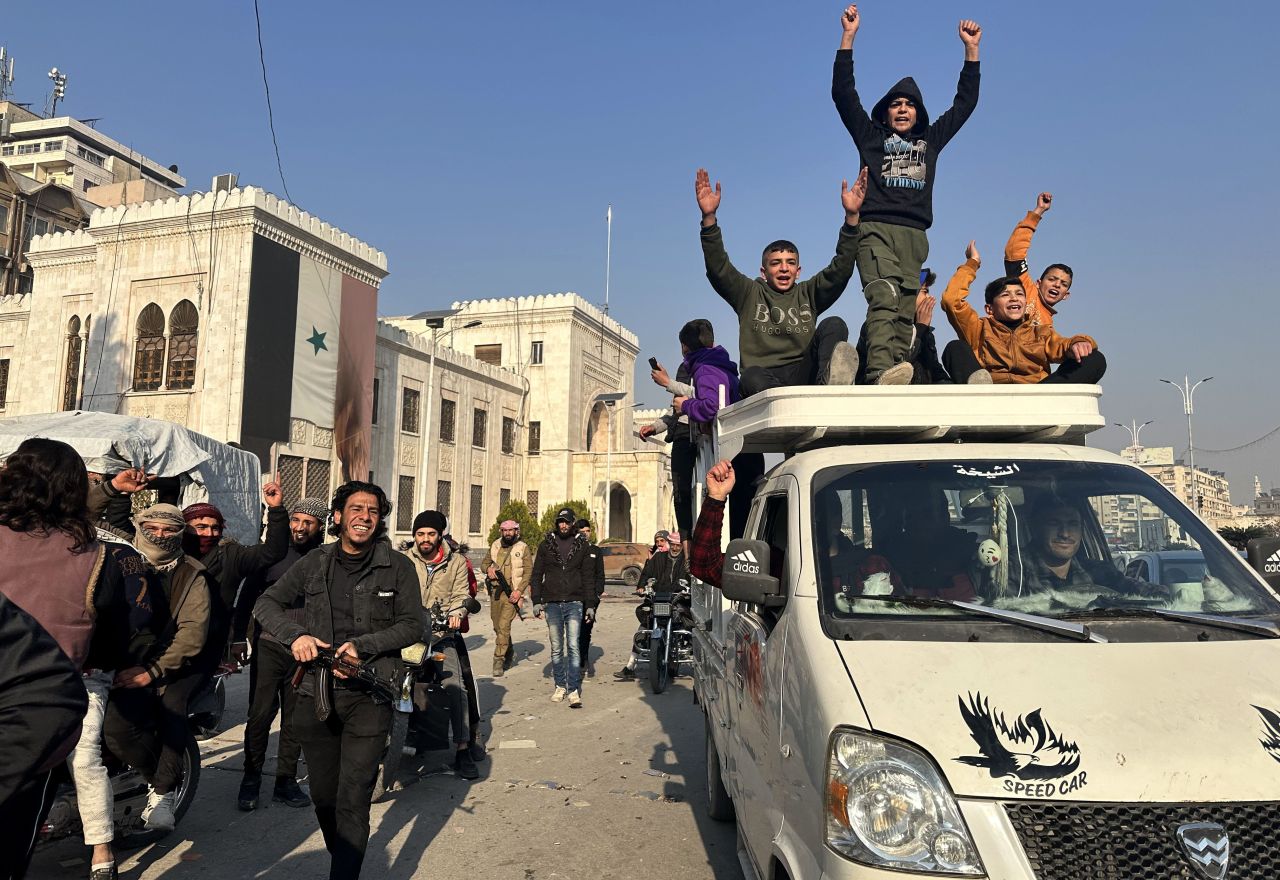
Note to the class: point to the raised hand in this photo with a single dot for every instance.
(924, 308)
(852, 197)
(971, 252)
(850, 20)
(272, 495)
(970, 34)
(660, 376)
(132, 480)
(708, 198)
(1044, 202)
(720, 480)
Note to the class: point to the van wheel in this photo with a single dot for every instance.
(631, 576)
(719, 804)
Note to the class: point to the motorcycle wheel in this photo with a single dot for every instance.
(659, 673)
(211, 705)
(387, 773)
(186, 794)
(719, 804)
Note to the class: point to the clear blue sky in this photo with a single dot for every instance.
(478, 145)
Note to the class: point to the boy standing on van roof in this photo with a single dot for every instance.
(899, 144)
(1054, 285)
(778, 342)
(1005, 342)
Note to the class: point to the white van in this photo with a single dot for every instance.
(923, 659)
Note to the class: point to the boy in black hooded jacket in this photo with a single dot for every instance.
(900, 147)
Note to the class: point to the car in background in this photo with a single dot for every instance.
(1168, 567)
(623, 561)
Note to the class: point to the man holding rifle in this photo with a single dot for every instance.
(507, 576)
(362, 596)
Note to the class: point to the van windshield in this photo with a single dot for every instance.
(1055, 539)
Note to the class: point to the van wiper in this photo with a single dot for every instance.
(1064, 628)
(1264, 628)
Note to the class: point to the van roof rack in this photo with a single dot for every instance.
(795, 418)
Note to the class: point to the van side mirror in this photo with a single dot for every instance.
(746, 577)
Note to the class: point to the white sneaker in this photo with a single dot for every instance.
(158, 813)
(558, 696)
(575, 700)
(898, 374)
(979, 377)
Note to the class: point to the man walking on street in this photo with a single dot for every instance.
(443, 579)
(362, 596)
(596, 564)
(508, 556)
(271, 668)
(563, 586)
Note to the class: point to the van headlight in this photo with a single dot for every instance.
(887, 806)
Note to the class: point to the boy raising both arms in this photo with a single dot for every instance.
(1005, 342)
(778, 342)
(900, 146)
(1054, 285)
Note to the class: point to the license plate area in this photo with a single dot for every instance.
(661, 609)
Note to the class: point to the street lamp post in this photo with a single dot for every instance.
(1188, 392)
(1135, 433)
(435, 321)
(609, 399)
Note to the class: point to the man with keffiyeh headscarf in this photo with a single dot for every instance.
(146, 720)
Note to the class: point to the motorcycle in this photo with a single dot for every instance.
(128, 787)
(664, 640)
(413, 730)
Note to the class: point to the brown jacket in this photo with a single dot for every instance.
(189, 619)
(447, 582)
(514, 565)
(1023, 354)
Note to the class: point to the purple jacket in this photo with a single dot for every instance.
(709, 368)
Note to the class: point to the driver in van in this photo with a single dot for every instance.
(1057, 530)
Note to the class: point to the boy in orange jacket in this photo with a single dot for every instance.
(1054, 286)
(1006, 342)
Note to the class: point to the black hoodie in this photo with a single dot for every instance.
(900, 183)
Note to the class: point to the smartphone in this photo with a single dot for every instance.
(653, 363)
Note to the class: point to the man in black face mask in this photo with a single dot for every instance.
(271, 667)
(229, 563)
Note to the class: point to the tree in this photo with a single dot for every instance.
(1239, 537)
(548, 520)
(518, 511)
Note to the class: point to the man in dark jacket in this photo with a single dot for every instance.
(271, 667)
(665, 568)
(563, 586)
(229, 563)
(673, 427)
(596, 562)
(901, 147)
(41, 704)
(362, 596)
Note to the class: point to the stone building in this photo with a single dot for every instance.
(240, 316)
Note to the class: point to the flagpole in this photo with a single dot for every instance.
(608, 254)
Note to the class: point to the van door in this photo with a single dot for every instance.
(755, 676)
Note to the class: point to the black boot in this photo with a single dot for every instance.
(247, 800)
(287, 791)
(464, 766)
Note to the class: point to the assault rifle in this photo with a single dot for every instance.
(327, 662)
(504, 587)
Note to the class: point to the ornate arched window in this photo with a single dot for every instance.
(71, 385)
(183, 323)
(148, 349)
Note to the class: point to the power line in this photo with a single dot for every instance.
(1266, 436)
(266, 87)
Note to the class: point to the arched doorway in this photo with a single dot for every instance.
(619, 513)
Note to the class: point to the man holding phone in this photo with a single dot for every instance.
(675, 426)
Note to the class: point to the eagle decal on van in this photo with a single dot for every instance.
(1271, 731)
(1025, 749)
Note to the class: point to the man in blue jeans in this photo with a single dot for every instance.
(563, 588)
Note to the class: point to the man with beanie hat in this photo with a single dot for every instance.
(442, 578)
(563, 586)
(361, 606)
(596, 564)
(900, 146)
(146, 721)
(271, 668)
(510, 556)
(229, 563)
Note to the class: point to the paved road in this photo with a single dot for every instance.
(613, 790)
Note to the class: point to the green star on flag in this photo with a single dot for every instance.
(317, 339)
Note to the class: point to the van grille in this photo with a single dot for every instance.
(1084, 841)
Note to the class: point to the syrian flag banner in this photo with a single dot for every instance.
(305, 348)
